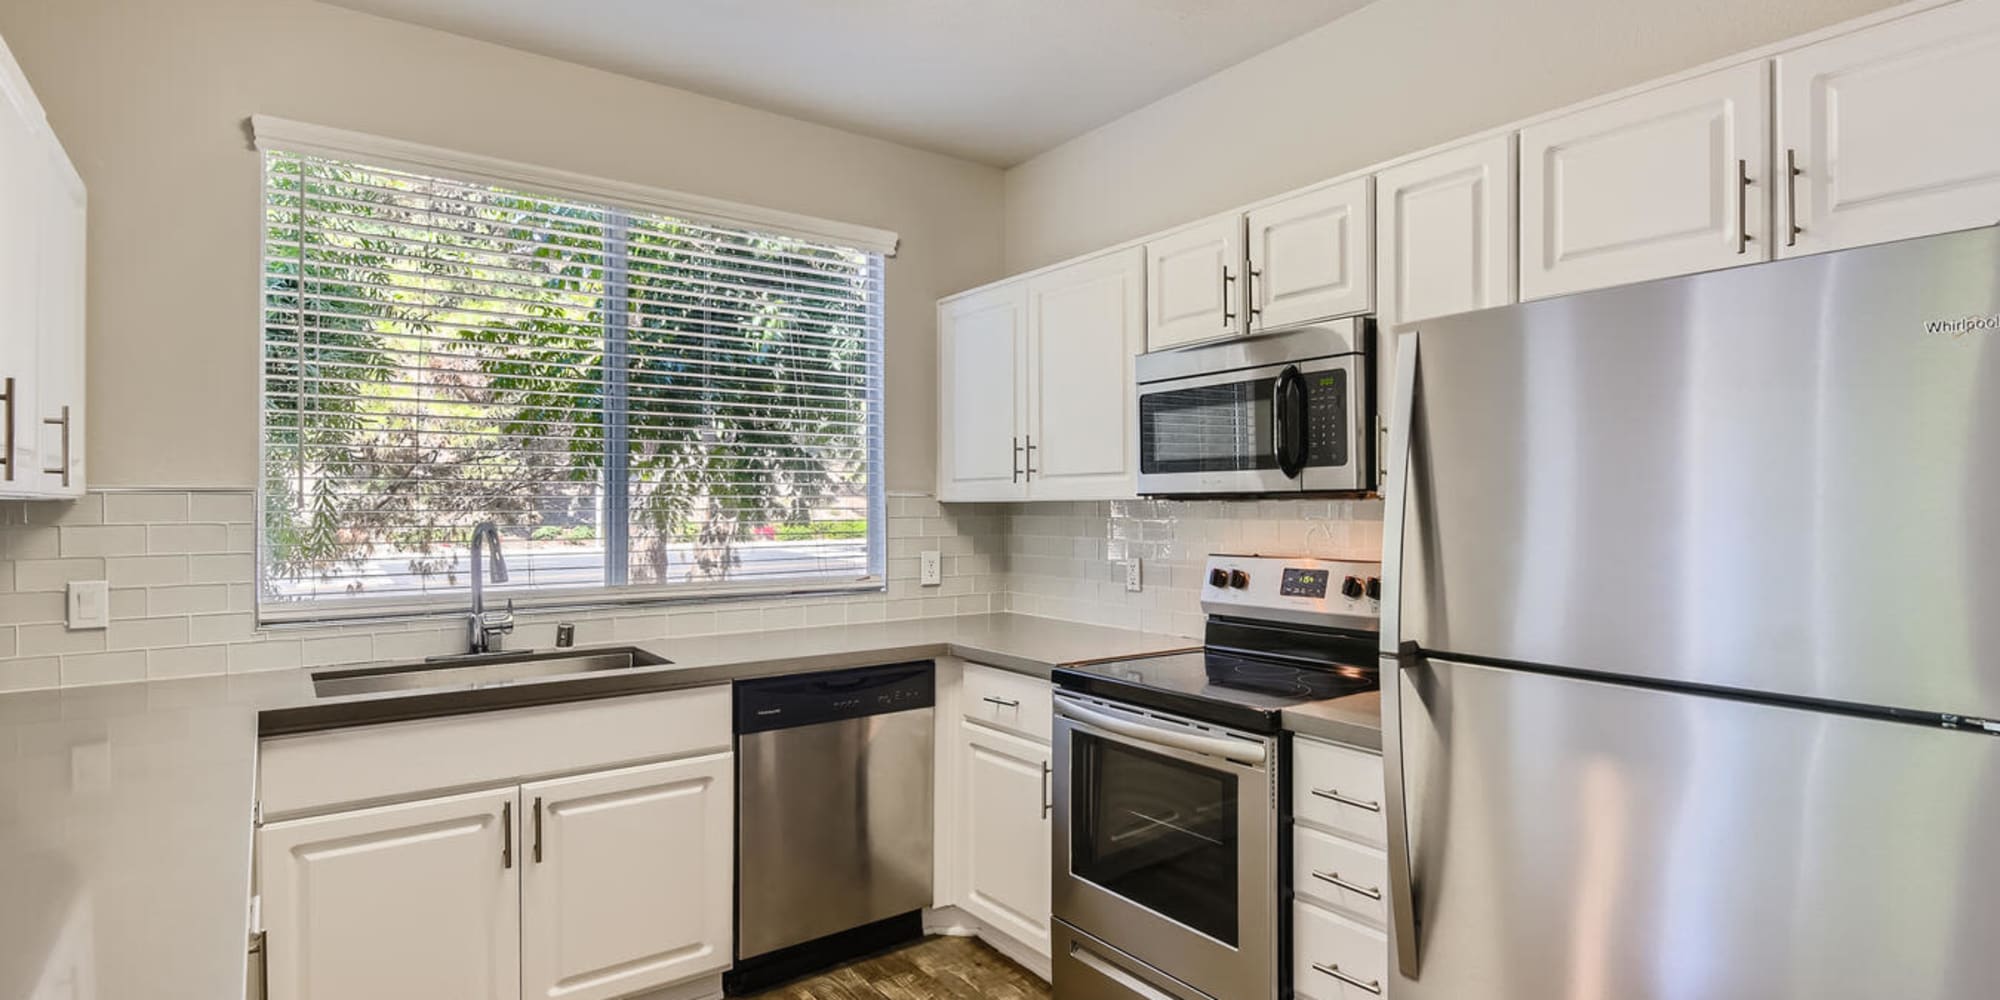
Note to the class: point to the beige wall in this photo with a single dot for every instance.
(1395, 77)
(150, 97)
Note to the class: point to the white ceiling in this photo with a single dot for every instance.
(996, 81)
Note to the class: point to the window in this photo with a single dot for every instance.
(649, 406)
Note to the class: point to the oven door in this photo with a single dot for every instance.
(1282, 428)
(1166, 843)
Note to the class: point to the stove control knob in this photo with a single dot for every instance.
(1239, 579)
(1374, 588)
(1218, 578)
(1351, 587)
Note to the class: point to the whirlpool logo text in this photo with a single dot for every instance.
(1956, 328)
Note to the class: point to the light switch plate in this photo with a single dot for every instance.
(89, 604)
(1133, 581)
(932, 571)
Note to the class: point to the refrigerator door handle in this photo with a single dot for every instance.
(1402, 881)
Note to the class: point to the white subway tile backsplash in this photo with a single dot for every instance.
(147, 633)
(17, 608)
(335, 649)
(104, 668)
(145, 508)
(269, 654)
(103, 540)
(146, 571)
(54, 574)
(226, 508)
(86, 509)
(57, 639)
(206, 538)
(232, 568)
(205, 598)
(186, 661)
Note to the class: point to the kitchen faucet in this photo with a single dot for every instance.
(486, 629)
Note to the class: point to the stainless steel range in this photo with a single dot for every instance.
(1169, 785)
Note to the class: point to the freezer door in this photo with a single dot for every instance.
(1578, 840)
(1779, 478)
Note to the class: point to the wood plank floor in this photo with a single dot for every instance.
(939, 968)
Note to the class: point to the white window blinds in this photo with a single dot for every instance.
(648, 406)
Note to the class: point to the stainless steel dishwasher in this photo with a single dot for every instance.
(833, 817)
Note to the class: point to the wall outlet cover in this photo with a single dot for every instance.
(1133, 581)
(932, 571)
(89, 604)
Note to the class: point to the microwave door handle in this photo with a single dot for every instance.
(1288, 421)
(1240, 751)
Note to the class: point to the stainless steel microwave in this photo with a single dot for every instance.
(1281, 414)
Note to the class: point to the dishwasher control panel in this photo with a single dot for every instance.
(767, 703)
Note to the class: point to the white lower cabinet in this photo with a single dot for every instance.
(614, 878)
(626, 882)
(414, 901)
(1340, 873)
(1006, 847)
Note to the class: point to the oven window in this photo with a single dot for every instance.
(1211, 428)
(1157, 831)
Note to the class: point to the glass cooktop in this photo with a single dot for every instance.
(1224, 686)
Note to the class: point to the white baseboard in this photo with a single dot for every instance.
(954, 922)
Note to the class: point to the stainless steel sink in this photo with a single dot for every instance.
(479, 671)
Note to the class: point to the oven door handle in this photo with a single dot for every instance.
(1240, 751)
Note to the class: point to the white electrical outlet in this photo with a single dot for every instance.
(89, 604)
(1133, 582)
(932, 570)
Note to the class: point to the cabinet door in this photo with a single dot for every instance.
(1194, 284)
(23, 181)
(626, 878)
(1085, 324)
(1312, 256)
(418, 901)
(1670, 181)
(982, 405)
(1891, 131)
(1005, 853)
(58, 413)
(1446, 239)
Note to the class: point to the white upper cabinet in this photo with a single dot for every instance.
(41, 281)
(1194, 284)
(1445, 234)
(1312, 256)
(1086, 323)
(417, 901)
(1893, 131)
(1035, 392)
(982, 397)
(627, 879)
(1669, 181)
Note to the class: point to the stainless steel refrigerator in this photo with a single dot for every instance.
(1693, 637)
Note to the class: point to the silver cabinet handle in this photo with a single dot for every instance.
(63, 422)
(1333, 878)
(1228, 316)
(1251, 291)
(506, 834)
(1373, 985)
(1017, 457)
(538, 829)
(1334, 794)
(1743, 183)
(1792, 173)
(1002, 702)
(1048, 800)
(7, 397)
(1031, 470)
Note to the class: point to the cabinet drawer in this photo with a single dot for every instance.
(1334, 958)
(1006, 700)
(1338, 789)
(1340, 874)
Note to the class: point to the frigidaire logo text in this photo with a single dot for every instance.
(1962, 327)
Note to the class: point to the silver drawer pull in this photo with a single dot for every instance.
(1373, 985)
(1334, 794)
(1002, 702)
(1335, 879)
